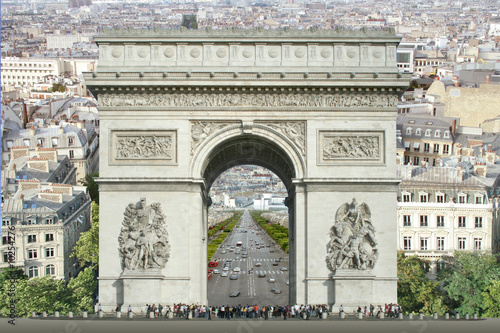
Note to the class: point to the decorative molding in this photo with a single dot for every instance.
(200, 130)
(351, 147)
(352, 243)
(143, 240)
(347, 100)
(293, 130)
(143, 147)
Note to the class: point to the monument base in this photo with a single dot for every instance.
(141, 287)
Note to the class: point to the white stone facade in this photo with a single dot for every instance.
(317, 109)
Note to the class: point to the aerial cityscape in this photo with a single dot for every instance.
(56, 181)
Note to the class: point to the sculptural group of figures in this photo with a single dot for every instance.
(352, 244)
(143, 238)
(144, 147)
(351, 147)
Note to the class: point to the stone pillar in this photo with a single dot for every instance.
(100, 314)
(457, 316)
(70, 314)
(446, 315)
(33, 314)
(324, 315)
(400, 315)
(382, 315)
(475, 316)
(171, 315)
(85, 314)
(435, 315)
(342, 315)
(44, 314)
(410, 316)
(118, 314)
(360, 315)
(467, 316)
(56, 314)
(151, 314)
(420, 316)
(130, 315)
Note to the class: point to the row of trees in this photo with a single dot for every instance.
(277, 232)
(229, 225)
(470, 284)
(50, 294)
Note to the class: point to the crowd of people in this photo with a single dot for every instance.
(265, 312)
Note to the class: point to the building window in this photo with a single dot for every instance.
(446, 149)
(6, 223)
(440, 198)
(440, 243)
(440, 265)
(6, 257)
(407, 243)
(424, 221)
(54, 142)
(478, 242)
(49, 220)
(71, 141)
(424, 242)
(49, 237)
(479, 200)
(31, 238)
(478, 223)
(71, 154)
(437, 133)
(31, 221)
(407, 197)
(416, 160)
(33, 272)
(418, 131)
(424, 197)
(40, 142)
(462, 198)
(407, 220)
(49, 252)
(462, 222)
(427, 147)
(440, 221)
(50, 270)
(26, 142)
(446, 134)
(32, 253)
(408, 131)
(461, 243)
(436, 148)
(10, 143)
(427, 132)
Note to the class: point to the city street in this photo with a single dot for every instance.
(259, 261)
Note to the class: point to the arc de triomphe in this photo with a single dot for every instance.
(178, 108)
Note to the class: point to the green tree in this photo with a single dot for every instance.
(417, 293)
(87, 246)
(92, 186)
(82, 290)
(189, 21)
(468, 277)
(58, 87)
(492, 299)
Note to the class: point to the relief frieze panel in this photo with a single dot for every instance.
(146, 147)
(347, 100)
(293, 130)
(339, 147)
(200, 130)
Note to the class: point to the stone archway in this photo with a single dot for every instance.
(177, 109)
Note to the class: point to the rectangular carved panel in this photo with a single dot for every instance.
(147, 147)
(351, 147)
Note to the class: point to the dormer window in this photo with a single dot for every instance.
(418, 131)
(49, 220)
(408, 131)
(40, 142)
(478, 199)
(446, 134)
(407, 197)
(6, 222)
(427, 132)
(31, 220)
(71, 141)
(462, 198)
(54, 142)
(26, 142)
(437, 133)
(424, 197)
(440, 197)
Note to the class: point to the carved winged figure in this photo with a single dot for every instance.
(352, 238)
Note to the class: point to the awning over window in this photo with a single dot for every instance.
(407, 145)
(416, 145)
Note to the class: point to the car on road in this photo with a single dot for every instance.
(237, 269)
(233, 277)
(224, 252)
(271, 280)
(231, 250)
(245, 252)
(271, 250)
(244, 256)
(287, 282)
(226, 268)
(235, 294)
(224, 274)
(276, 291)
(275, 263)
(284, 268)
(229, 260)
(258, 264)
(216, 271)
(262, 274)
(236, 258)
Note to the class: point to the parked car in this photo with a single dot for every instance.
(284, 268)
(233, 277)
(237, 269)
(216, 271)
(262, 275)
(271, 280)
(258, 264)
(276, 291)
(224, 274)
(235, 294)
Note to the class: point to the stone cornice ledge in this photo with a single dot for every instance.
(117, 180)
(320, 181)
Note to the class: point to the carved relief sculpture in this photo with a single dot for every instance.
(201, 130)
(351, 147)
(144, 147)
(295, 131)
(352, 239)
(143, 239)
